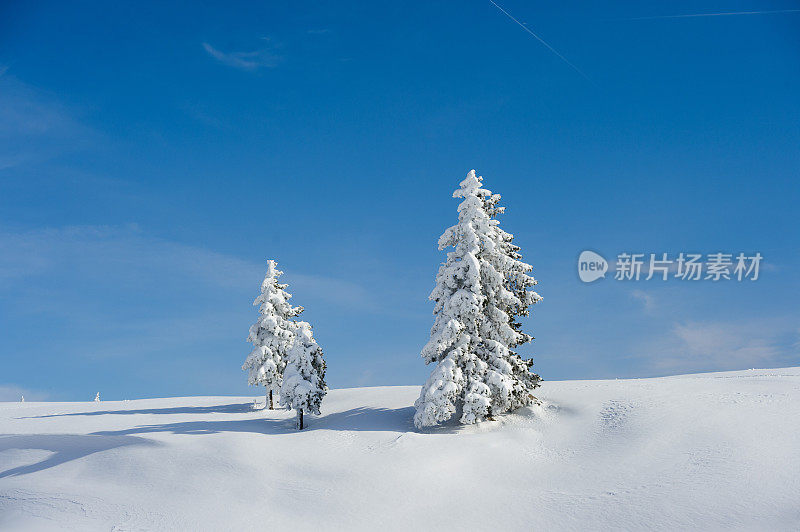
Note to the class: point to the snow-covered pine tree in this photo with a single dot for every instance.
(272, 334)
(518, 281)
(304, 377)
(479, 290)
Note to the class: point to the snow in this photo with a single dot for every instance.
(707, 451)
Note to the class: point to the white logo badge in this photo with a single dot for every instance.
(591, 266)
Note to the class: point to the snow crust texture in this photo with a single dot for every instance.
(696, 452)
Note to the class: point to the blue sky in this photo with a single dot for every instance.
(153, 157)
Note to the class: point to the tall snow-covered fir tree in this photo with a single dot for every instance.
(304, 377)
(272, 334)
(480, 290)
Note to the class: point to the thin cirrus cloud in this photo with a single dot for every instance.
(119, 293)
(34, 126)
(264, 57)
(718, 346)
(126, 255)
(647, 300)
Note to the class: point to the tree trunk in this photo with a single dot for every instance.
(270, 400)
(300, 418)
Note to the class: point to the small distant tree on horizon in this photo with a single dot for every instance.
(272, 334)
(304, 377)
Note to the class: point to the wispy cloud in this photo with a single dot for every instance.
(24, 111)
(34, 126)
(647, 300)
(202, 115)
(116, 293)
(263, 57)
(716, 346)
(125, 254)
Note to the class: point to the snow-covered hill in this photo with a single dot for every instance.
(707, 451)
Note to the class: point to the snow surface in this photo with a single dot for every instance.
(707, 451)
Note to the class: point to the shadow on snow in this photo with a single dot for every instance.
(68, 447)
(65, 448)
(235, 408)
(356, 419)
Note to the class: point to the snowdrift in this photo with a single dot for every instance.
(707, 451)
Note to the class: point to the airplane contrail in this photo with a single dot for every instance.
(526, 28)
(724, 14)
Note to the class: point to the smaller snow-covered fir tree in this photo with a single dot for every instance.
(304, 377)
(272, 334)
